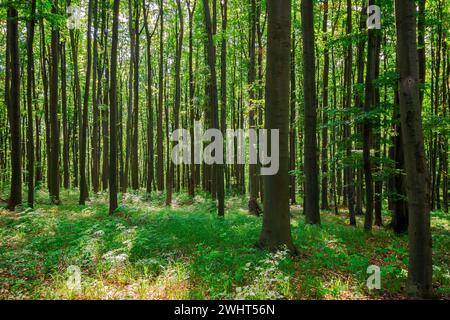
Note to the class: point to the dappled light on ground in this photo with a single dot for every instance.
(149, 251)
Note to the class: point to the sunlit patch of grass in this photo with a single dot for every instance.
(149, 251)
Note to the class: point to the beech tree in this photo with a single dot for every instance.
(417, 178)
(276, 231)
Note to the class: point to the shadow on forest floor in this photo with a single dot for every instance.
(148, 251)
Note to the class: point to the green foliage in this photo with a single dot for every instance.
(148, 251)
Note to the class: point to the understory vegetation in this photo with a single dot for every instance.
(149, 251)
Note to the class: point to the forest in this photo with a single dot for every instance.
(348, 101)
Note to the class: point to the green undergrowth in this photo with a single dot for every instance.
(148, 251)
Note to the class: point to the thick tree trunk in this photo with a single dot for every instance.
(276, 230)
(417, 179)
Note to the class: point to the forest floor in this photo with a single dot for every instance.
(148, 251)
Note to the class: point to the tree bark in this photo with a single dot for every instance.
(276, 230)
(311, 169)
(417, 179)
(30, 120)
(135, 138)
(113, 112)
(14, 108)
(213, 100)
(54, 123)
(348, 171)
(326, 70)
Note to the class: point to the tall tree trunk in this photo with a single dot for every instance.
(292, 116)
(417, 179)
(54, 124)
(252, 169)
(135, 138)
(176, 109)
(95, 145)
(66, 173)
(348, 171)
(14, 108)
(30, 83)
(369, 102)
(77, 99)
(276, 231)
(193, 166)
(223, 73)
(84, 193)
(211, 51)
(104, 69)
(113, 112)
(150, 158)
(326, 70)
(311, 169)
(359, 100)
(159, 128)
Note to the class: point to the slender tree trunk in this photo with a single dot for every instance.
(66, 173)
(14, 108)
(176, 109)
(113, 112)
(223, 73)
(193, 167)
(370, 99)
(54, 123)
(30, 83)
(211, 51)
(84, 193)
(252, 169)
(292, 116)
(135, 137)
(95, 145)
(326, 70)
(159, 128)
(150, 158)
(77, 100)
(311, 169)
(348, 171)
(359, 101)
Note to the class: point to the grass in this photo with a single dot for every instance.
(148, 251)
